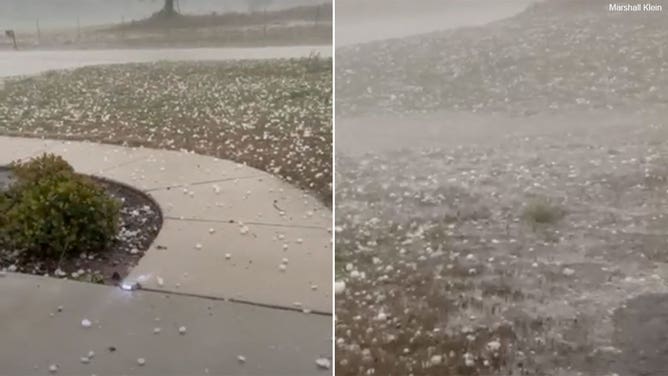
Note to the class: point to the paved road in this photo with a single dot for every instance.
(32, 62)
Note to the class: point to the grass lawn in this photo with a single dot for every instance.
(274, 115)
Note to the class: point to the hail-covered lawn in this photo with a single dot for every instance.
(516, 253)
(274, 115)
(558, 55)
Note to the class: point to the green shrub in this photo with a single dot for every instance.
(541, 211)
(53, 212)
(44, 166)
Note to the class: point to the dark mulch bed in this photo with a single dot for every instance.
(140, 223)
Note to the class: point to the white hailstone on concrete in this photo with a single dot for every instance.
(314, 287)
(156, 330)
(228, 256)
(182, 330)
(494, 346)
(161, 281)
(241, 358)
(568, 272)
(436, 360)
(198, 246)
(339, 287)
(282, 267)
(53, 368)
(300, 240)
(285, 260)
(323, 363)
(91, 354)
(244, 230)
(285, 247)
(85, 360)
(86, 323)
(469, 361)
(141, 361)
(212, 230)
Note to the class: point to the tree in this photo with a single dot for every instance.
(168, 9)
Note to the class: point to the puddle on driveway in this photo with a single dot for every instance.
(641, 333)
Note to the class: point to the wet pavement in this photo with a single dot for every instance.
(13, 63)
(41, 324)
(641, 335)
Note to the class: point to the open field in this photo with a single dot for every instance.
(530, 238)
(274, 115)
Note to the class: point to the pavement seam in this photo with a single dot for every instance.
(232, 221)
(221, 180)
(234, 300)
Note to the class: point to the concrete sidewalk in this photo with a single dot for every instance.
(35, 335)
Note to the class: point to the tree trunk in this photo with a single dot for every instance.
(169, 8)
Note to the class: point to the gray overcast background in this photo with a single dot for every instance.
(21, 14)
